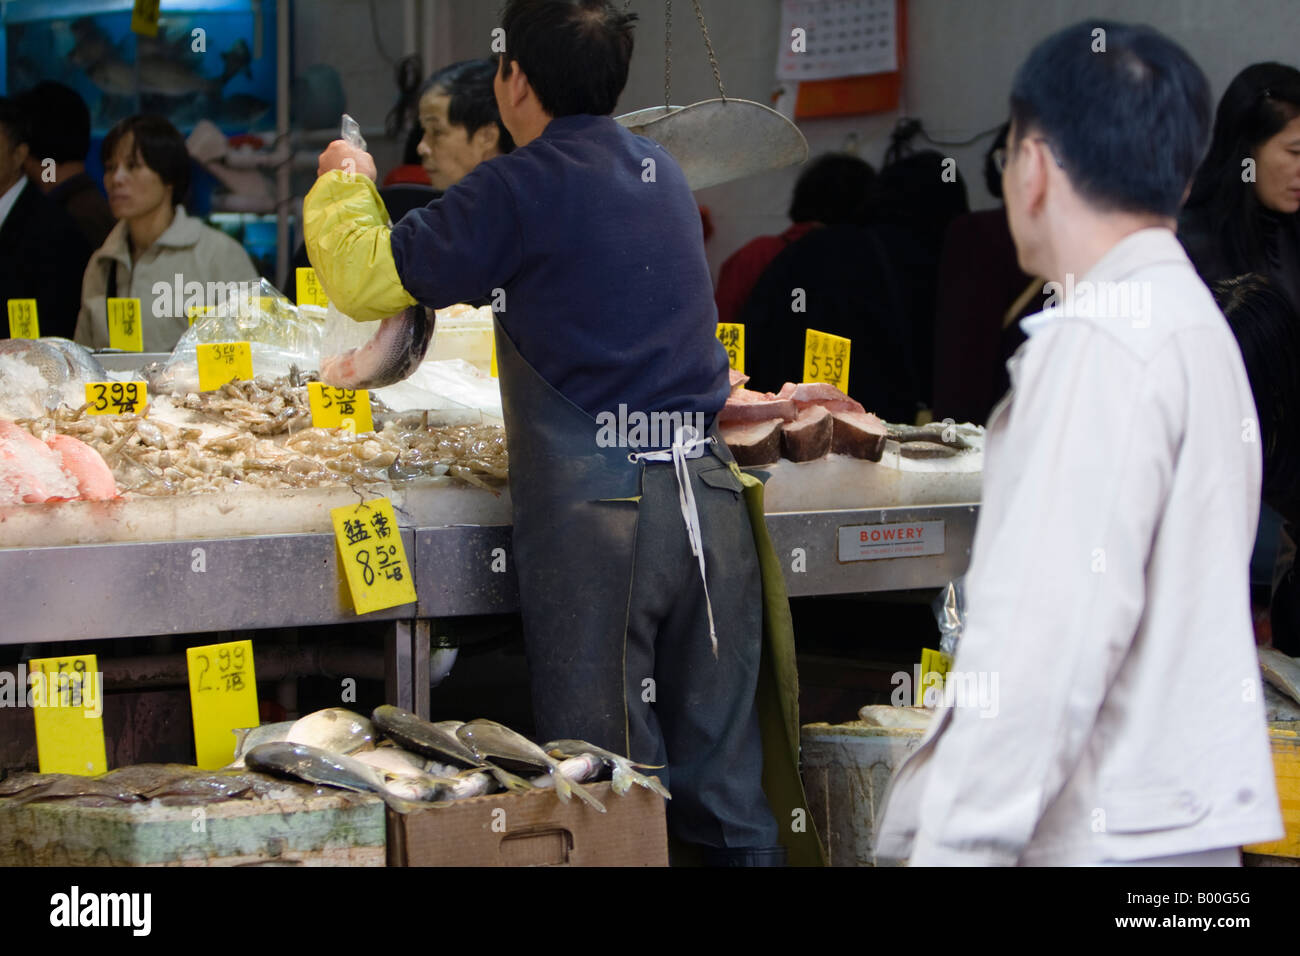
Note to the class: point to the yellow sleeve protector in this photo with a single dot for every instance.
(345, 225)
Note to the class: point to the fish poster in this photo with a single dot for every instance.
(209, 60)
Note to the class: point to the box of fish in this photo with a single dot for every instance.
(476, 793)
(173, 815)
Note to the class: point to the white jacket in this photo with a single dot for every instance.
(187, 248)
(1108, 596)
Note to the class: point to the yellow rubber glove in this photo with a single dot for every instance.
(345, 225)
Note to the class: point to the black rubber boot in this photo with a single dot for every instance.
(746, 856)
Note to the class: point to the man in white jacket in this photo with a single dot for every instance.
(1108, 586)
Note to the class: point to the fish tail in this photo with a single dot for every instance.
(578, 790)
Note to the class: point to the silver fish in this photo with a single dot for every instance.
(392, 354)
(246, 738)
(575, 769)
(624, 773)
(46, 359)
(335, 729)
(490, 739)
(81, 361)
(314, 765)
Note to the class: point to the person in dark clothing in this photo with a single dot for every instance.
(42, 254)
(1243, 212)
(59, 124)
(981, 294)
(1267, 327)
(832, 191)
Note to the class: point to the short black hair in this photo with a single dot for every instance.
(918, 193)
(574, 52)
(473, 104)
(59, 121)
(159, 145)
(1129, 123)
(833, 190)
(14, 121)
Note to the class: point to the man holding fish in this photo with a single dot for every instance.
(643, 606)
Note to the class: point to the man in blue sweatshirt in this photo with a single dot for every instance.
(639, 578)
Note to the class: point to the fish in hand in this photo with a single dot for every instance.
(393, 353)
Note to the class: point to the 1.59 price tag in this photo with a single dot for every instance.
(373, 558)
(23, 323)
(826, 359)
(125, 332)
(68, 705)
(223, 697)
(732, 337)
(116, 398)
(309, 290)
(340, 408)
(223, 362)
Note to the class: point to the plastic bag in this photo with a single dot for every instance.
(950, 612)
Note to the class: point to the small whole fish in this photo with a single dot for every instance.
(393, 353)
(246, 738)
(624, 773)
(577, 769)
(305, 762)
(335, 729)
(490, 739)
(439, 740)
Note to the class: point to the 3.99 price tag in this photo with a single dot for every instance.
(67, 697)
(223, 697)
(372, 555)
(125, 332)
(309, 290)
(826, 359)
(116, 398)
(223, 362)
(23, 323)
(732, 337)
(340, 408)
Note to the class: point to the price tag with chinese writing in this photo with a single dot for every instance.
(23, 323)
(116, 398)
(67, 698)
(194, 311)
(223, 697)
(223, 362)
(144, 17)
(124, 329)
(309, 290)
(340, 408)
(826, 359)
(493, 370)
(374, 560)
(732, 337)
(934, 668)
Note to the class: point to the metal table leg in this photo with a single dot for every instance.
(406, 666)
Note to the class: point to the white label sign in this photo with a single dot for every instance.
(871, 542)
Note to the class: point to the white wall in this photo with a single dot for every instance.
(960, 60)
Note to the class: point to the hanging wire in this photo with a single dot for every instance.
(708, 45)
(668, 53)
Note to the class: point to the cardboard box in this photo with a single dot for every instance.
(533, 829)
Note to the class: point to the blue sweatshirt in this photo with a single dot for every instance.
(601, 259)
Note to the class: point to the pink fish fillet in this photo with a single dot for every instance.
(29, 471)
(93, 476)
(392, 354)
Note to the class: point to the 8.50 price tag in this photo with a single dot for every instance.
(372, 555)
(223, 697)
(116, 398)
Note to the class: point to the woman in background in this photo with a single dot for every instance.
(146, 176)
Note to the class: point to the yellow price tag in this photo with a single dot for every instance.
(194, 311)
(23, 323)
(309, 290)
(374, 561)
(493, 370)
(144, 17)
(934, 669)
(116, 398)
(223, 697)
(67, 697)
(340, 408)
(732, 337)
(826, 359)
(223, 362)
(124, 329)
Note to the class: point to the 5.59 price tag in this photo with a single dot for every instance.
(372, 555)
(826, 359)
(340, 408)
(732, 337)
(23, 323)
(67, 696)
(223, 362)
(223, 697)
(116, 398)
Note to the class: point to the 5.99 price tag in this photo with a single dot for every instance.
(67, 697)
(23, 323)
(826, 359)
(340, 408)
(373, 558)
(116, 398)
(732, 337)
(223, 698)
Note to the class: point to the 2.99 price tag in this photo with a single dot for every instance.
(67, 697)
(223, 362)
(732, 337)
(826, 359)
(125, 332)
(372, 555)
(23, 323)
(223, 698)
(340, 408)
(116, 398)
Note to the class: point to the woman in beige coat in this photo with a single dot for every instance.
(156, 250)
